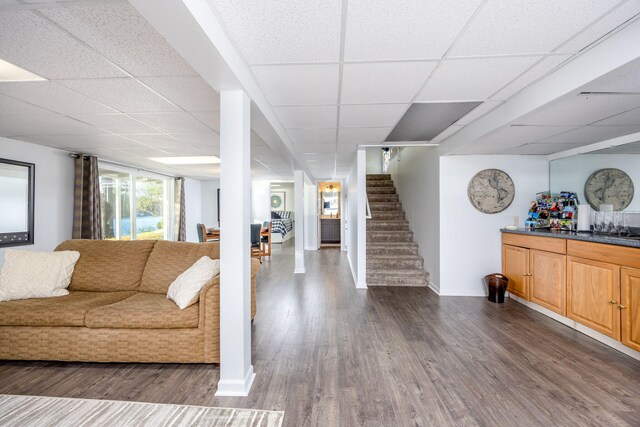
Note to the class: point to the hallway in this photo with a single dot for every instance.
(329, 354)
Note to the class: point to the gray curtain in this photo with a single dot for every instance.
(86, 203)
(179, 221)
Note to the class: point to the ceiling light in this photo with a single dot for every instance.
(193, 160)
(13, 73)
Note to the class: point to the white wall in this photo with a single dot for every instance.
(53, 210)
(571, 173)
(470, 241)
(374, 159)
(260, 201)
(209, 202)
(192, 207)
(290, 198)
(416, 175)
(311, 215)
(351, 205)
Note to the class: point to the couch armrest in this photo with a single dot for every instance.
(209, 321)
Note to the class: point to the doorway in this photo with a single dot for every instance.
(329, 214)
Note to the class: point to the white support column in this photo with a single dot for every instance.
(361, 170)
(298, 190)
(236, 371)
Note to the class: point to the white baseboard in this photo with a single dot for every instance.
(237, 388)
(615, 344)
(434, 287)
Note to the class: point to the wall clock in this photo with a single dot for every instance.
(609, 187)
(491, 191)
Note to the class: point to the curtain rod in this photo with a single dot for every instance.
(109, 162)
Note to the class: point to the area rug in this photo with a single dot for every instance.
(61, 412)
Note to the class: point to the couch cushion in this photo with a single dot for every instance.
(108, 265)
(68, 310)
(143, 310)
(170, 259)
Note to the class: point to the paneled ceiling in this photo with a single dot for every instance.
(338, 74)
(115, 88)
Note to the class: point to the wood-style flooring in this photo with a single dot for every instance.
(331, 355)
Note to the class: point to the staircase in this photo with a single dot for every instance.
(392, 255)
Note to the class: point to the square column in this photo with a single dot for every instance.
(236, 370)
(298, 190)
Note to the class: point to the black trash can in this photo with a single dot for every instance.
(497, 286)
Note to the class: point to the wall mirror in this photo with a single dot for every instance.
(16, 203)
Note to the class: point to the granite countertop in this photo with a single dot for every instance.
(581, 235)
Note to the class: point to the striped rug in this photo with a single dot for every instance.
(61, 412)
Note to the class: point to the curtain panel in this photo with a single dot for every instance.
(180, 226)
(86, 202)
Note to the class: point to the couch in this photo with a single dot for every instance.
(117, 310)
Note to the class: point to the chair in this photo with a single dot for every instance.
(202, 231)
(265, 238)
(256, 250)
(205, 236)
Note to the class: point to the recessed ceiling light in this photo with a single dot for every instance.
(193, 160)
(13, 73)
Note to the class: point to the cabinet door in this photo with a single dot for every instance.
(548, 280)
(593, 292)
(630, 310)
(515, 265)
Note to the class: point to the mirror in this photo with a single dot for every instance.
(330, 199)
(16, 202)
(595, 177)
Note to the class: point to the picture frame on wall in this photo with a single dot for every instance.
(278, 200)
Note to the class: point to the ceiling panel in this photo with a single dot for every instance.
(118, 32)
(157, 140)
(299, 84)
(362, 135)
(540, 69)
(200, 139)
(308, 116)
(42, 124)
(513, 27)
(312, 136)
(371, 115)
(422, 122)
(209, 118)
(315, 148)
(540, 149)
(116, 123)
(126, 95)
(54, 97)
(473, 79)
(446, 133)
(577, 110)
(589, 135)
(478, 112)
(172, 122)
(37, 45)
(188, 93)
(409, 29)
(14, 106)
(517, 135)
(283, 31)
(389, 82)
(147, 152)
(629, 118)
(623, 79)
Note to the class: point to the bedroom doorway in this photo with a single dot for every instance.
(330, 214)
(282, 212)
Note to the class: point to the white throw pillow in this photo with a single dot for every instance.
(185, 290)
(29, 274)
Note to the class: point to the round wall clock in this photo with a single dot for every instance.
(609, 187)
(491, 191)
(276, 201)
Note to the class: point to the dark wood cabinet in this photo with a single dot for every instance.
(330, 230)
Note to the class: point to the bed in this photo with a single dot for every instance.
(282, 227)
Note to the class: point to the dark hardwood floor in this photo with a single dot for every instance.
(331, 355)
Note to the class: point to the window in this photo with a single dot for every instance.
(135, 206)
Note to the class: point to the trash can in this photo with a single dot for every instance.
(497, 286)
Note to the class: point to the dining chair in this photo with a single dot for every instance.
(265, 238)
(256, 250)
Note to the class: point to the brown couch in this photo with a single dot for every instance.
(117, 310)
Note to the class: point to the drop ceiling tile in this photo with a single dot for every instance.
(209, 118)
(371, 115)
(116, 123)
(146, 152)
(54, 97)
(189, 93)
(315, 148)
(184, 149)
(37, 45)
(541, 149)
(299, 117)
(48, 123)
(446, 133)
(125, 95)
(623, 79)
(537, 71)
(577, 110)
(312, 136)
(473, 79)
(200, 139)
(481, 149)
(299, 84)
(629, 118)
(82, 142)
(527, 27)
(362, 135)
(589, 134)
(172, 122)
(389, 82)
(424, 121)
(612, 20)
(478, 112)
(517, 135)
(117, 31)
(410, 29)
(157, 140)
(283, 31)
(11, 106)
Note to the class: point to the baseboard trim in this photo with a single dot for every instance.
(237, 388)
(615, 344)
(434, 287)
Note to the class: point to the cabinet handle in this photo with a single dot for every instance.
(613, 301)
(622, 307)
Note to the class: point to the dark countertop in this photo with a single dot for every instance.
(584, 236)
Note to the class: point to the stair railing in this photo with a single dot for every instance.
(368, 215)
